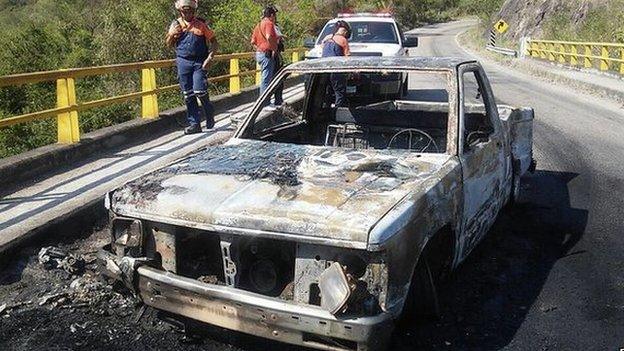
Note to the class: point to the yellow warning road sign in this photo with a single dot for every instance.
(501, 26)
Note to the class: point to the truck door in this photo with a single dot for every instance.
(482, 156)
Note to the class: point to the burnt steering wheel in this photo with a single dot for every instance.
(415, 137)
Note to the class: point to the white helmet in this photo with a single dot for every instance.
(179, 4)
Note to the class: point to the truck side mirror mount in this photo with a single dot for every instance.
(309, 43)
(410, 42)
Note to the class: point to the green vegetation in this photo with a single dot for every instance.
(484, 9)
(602, 23)
(40, 35)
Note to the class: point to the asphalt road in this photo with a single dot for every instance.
(550, 275)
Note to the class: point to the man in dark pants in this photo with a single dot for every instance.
(337, 44)
(196, 46)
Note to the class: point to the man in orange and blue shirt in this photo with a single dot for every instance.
(195, 45)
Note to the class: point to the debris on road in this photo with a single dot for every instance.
(6, 309)
(66, 279)
(75, 326)
(52, 257)
(547, 309)
(53, 299)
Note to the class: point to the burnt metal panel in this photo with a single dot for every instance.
(286, 189)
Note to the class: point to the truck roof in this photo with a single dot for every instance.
(360, 62)
(360, 18)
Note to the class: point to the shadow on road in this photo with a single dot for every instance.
(489, 296)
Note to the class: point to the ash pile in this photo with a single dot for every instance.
(60, 281)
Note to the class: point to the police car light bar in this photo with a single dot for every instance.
(365, 14)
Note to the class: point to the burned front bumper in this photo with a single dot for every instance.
(248, 312)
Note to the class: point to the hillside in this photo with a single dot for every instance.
(590, 20)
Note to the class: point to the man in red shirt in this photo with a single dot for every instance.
(264, 39)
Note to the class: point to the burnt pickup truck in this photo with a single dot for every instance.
(319, 225)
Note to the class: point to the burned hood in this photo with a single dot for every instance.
(319, 193)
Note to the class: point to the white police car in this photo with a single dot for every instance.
(371, 35)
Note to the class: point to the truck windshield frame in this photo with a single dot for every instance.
(312, 109)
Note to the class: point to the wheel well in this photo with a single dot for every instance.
(440, 250)
(437, 257)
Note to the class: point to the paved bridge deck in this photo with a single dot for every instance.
(55, 197)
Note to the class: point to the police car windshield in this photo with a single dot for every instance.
(366, 32)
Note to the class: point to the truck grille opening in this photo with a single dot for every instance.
(259, 265)
(315, 295)
(266, 266)
(199, 257)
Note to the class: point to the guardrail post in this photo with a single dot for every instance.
(535, 50)
(149, 106)
(525, 49)
(68, 128)
(235, 81)
(588, 53)
(258, 76)
(295, 56)
(562, 53)
(574, 56)
(622, 63)
(604, 61)
(543, 50)
(551, 49)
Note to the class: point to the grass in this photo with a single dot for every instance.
(603, 23)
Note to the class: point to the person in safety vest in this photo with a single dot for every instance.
(337, 44)
(265, 41)
(195, 45)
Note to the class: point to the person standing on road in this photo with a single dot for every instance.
(337, 44)
(264, 39)
(195, 45)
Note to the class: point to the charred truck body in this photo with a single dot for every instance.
(319, 225)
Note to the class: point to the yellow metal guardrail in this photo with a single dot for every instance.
(605, 56)
(67, 107)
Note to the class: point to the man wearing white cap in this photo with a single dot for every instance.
(195, 45)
